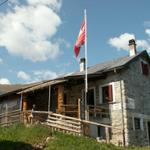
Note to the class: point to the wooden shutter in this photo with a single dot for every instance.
(110, 93)
(145, 70)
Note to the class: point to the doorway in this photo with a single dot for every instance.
(54, 100)
(91, 97)
(148, 130)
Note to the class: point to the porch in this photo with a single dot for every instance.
(66, 100)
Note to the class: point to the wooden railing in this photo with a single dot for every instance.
(10, 117)
(70, 110)
(76, 126)
(64, 123)
(100, 111)
(55, 121)
(93, 110)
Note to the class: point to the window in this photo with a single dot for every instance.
(107, 94)
(101, 132)
(137, 124)
(145, 69)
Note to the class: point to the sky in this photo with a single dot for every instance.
(37, 37)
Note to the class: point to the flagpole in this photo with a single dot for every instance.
(86, 64)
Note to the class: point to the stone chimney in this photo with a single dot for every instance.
(82, 64)
(132, 47)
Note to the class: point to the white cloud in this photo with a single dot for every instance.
(122, 41)
(23, 75)
(4, 81)
(44, 75)
(54, 4)
(27, 30)
(35, 76)
(145, 45)
(147, 31)
(64, 42)
(1, 60)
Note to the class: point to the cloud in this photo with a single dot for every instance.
(147, 31)
(44, 75)
(35, 76)
(145, 45)
(4, 81)
(23, 75)
(64, 42)
(27, 30)
(54, 4)
(1, 60)
(122, 41)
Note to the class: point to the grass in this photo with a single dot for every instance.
(69, 142)
(20, 137)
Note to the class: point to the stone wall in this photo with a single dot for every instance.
(131, 98)
(115, 107)
(137, 102)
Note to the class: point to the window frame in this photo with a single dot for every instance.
(101, 93)
(140, 123)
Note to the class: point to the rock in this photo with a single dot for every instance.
(48, 139)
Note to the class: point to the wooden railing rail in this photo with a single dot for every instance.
(95, 110)
(10, 117)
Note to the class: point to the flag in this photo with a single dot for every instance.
(81, 38)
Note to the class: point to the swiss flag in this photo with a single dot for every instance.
(81, 38)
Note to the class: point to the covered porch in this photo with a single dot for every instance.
(66, 98)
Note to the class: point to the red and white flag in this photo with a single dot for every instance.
(81, 38)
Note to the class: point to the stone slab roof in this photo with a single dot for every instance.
(107, 66)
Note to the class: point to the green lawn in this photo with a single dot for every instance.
(20, 137)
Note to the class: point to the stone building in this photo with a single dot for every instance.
(118, 95)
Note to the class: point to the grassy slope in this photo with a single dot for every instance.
(18, 136)
(69, 142)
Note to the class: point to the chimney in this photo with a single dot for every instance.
(82, 64)
(132, 47)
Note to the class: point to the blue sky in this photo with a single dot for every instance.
(37, 37)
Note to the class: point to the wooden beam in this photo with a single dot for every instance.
(21, 101)
(49, 98)
(60, 98)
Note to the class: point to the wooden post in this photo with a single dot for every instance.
(21, 112)
(79, 108)
(60, 98)
(88, 109)
(49, 98)
(6, 114)
(21, 102)
(24, 108)
(107, 134)
(24, 104)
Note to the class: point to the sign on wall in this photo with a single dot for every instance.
(130, 103)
